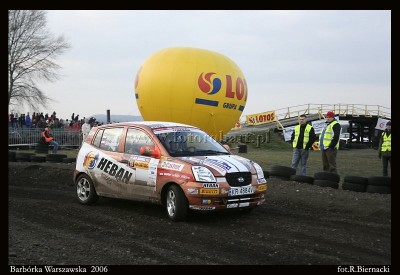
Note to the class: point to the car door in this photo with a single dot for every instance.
(111, 175)
(138, 145)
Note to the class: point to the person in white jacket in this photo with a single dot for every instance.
(85, 129)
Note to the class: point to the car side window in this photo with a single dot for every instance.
(111, 139)
(135, 139)
(98, 138)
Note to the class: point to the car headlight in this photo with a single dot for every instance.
(202, 174)
(260, 172)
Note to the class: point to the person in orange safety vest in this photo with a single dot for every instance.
(47, 137)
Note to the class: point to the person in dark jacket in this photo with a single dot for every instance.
(385, 148)
(302, 139)
(329, 142)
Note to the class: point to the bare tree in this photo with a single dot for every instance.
(32, 52)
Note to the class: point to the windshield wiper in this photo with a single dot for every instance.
(210, 152)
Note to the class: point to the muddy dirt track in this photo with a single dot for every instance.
(300, 224)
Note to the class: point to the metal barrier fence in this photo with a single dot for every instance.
(31, 136)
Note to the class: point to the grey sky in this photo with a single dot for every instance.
(288, 57)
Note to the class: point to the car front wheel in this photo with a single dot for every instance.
(177, 204)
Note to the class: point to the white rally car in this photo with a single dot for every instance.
(176, 165)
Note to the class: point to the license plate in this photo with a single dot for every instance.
(243, 190)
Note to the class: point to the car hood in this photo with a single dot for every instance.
(221, 165)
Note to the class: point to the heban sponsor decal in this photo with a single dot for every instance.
(114, 170)
(171, 165)
(90, 160)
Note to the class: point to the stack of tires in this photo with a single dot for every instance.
(68, 160)
(302, 179)
(355, 183)
(55, 157)
(380, 185)
(32, 157)
(281, 172)
(42, 148)
(23, 156)
(36, 158)
(327, 179)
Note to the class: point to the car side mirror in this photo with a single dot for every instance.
(150, 151)
(226, 146)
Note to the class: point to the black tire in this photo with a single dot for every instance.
(326, 183)
(351, 186)
(266, 174)
(55, 157)
(21, 156)
(42, 148)
(378, 189)
(356, 179)
(68, 160)
(35, 158)
(327, 176)
(280, 177)
(342, 144)
(282, 171)
(85, 190)
(177, 205)
(379, 181)
(11, 156)
(302, 179)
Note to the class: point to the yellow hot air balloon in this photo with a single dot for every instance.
(192, 86)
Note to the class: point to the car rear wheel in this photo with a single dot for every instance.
(85, 190)
(177, 204)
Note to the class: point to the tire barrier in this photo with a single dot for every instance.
(23, 156)
(302, 179)
(242, 148)
(68, 160)
(327, 176)
(55, 157)
(326, 183)
(35, 158)
(327, 179)
(11, 156)
(381, 185)
(355, 183)
(42, 148)
(283, 172)
(279, 177)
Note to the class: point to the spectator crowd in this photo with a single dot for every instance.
(38, 120)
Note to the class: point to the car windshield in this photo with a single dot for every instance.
(181, 142)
